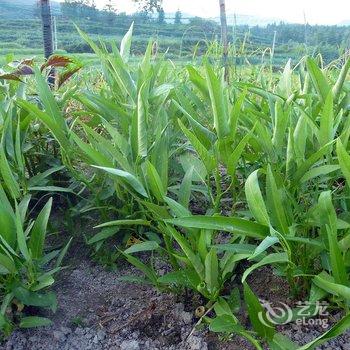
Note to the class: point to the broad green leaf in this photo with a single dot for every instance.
(34, 321)
(339, 328)
(142, 247)
(255, 199)
(142, 111)
(344, 161)
(187, 250)
(326, 122)
(38, 232)
(274, 258)
(7, 174)
(104, 234)
(185, 188)
(218, 102)
(212, 271)
(275, 203)
(337, 88)
(264, 245)
(205, 155)
(137, 222)
(318, 78)
(127, 177)
(256, 313)
(125, 44)
(221, 223)
(319, 171)
(154, 182)
(326, 284)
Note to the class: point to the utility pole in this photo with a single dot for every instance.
(273, 46)
(55, 45)
(224, 38)
(305, 31)
(47, 35)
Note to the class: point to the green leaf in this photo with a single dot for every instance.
(127, 177)
(275, 203)
(142, 122)
(261, 325)
(338, 329)
(225, 324)
(29, 298)
(264, 245)
(212, 271)
(34, 321)
(319, 171)
(103, 235)
(218, 102)
(7, 174)
(38, 232)
(154, 182)
(325, 283)
(344, 161)
(274, 258)
(142, 247)
(125, 44)
(48, 100)
(318, 79)
(255, 199)
(132, 222)
(147, 271)
(185, 188)
(205, 155)
(327, 120)
(187, 250)
(21, 238)
(337, 88)
(237, 153)
(221, 223)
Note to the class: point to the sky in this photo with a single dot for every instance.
(316, 11)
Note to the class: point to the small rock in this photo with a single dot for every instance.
(95, 340)
(59, 336)
(101, 335)
(196, 343)
(65, 330)
(186, 317)
(129, 345)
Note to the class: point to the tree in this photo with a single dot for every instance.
(178, 17)
(110, 11)
(161, 16)
(149, 5)
(70, 8)
(36, 10)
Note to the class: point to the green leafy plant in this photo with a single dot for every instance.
(24, 272)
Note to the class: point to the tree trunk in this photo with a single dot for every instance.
(224, 39)
(47, 34)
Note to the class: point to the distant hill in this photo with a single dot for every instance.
(13, 9)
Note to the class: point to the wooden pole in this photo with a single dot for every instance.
(55, 46)
(224, 38)
(273, 46)
(47, 35)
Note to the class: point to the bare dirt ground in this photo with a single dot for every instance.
(98, 311)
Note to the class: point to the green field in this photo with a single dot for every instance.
(210, 181)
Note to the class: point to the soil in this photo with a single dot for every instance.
(99, 311)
